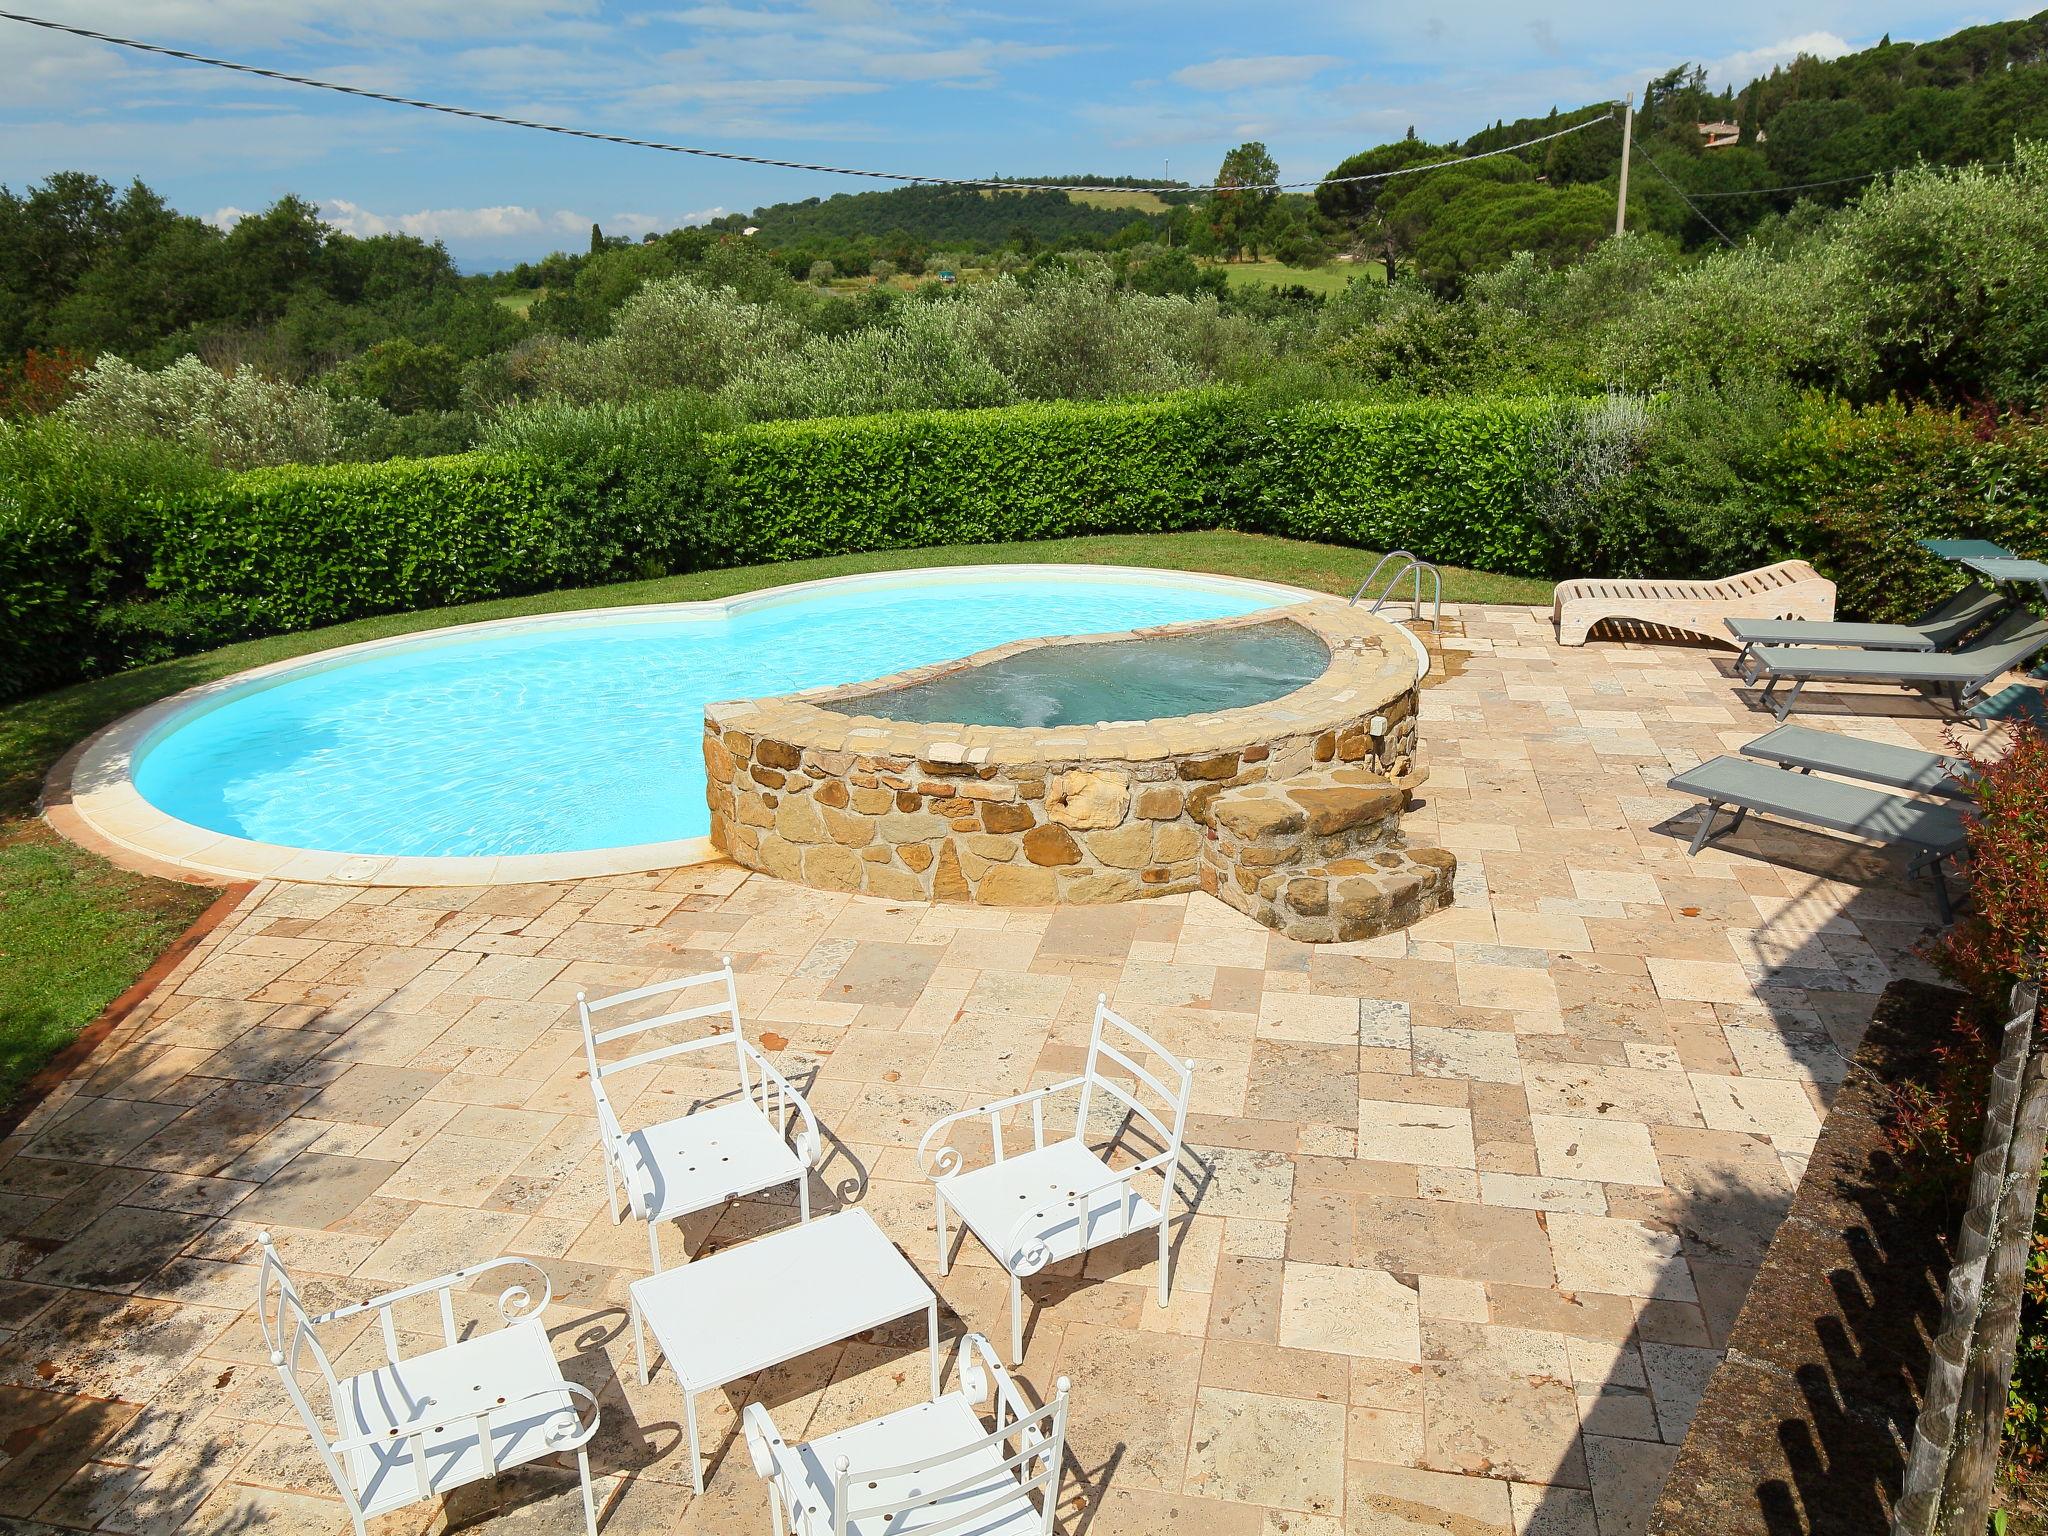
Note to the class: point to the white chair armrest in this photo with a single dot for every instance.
(515, 1302)
(568, 1427)
(810, 1146)
(980, 1368)
(779, 1466)
(943, 1161)
(1026, 1241)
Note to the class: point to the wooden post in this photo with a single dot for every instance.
(1628, 136)
(1973, 1465)
(1946, 1416)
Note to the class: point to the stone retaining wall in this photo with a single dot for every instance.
(1037, 816)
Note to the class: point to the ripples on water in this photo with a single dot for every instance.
(586, 736)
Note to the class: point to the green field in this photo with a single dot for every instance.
(1137, 202)
(522, 302)
(75, 932)
(1325, 280)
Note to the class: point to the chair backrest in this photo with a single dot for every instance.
(719, 1000)
(291, 1336)
(1976, 604)
(1031, 1449)
(1115, 1049)
(2009, 642)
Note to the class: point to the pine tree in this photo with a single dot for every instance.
(596, 238)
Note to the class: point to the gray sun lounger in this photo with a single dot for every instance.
(1933, 832)
(1976, 605)
(1873, 762)
(1960, 675)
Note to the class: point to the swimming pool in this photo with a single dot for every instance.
(583, 731)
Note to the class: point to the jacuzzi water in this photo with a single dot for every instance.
(584, 733)
(1146, 679)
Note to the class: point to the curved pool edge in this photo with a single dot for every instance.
(90, 797)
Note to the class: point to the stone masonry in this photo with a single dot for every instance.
(1320, 857)
(1002, 816)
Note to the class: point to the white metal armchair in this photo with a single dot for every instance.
(761, 1137)
(928, 1470)
(1061, 1198)
(420, 1425)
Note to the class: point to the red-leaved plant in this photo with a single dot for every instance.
(2001, 938)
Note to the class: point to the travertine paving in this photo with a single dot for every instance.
(1474, 1204)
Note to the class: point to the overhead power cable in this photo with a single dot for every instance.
(1802, 186)
(734, 155)
(1674, 186)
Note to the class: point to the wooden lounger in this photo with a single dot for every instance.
(1791, 589)
(1932, 831)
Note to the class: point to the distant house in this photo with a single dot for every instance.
(751, 229)
(1724, 135)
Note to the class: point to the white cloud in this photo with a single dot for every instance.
(1254, 73)
(505, 221)
(1738, 69)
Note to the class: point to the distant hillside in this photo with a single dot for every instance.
(969, 217)
(1838, 123)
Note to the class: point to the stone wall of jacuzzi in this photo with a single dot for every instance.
(1290, 810)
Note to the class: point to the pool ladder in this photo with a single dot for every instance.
(1411, 564)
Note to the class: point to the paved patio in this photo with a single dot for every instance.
(1475, 1204)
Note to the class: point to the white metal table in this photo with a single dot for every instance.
(736, 1313)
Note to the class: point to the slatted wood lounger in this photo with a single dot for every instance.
(1791, 589)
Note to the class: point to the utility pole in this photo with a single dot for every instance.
(1628, 137)
(1169, 207)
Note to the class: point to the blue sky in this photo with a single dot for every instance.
(916, 86)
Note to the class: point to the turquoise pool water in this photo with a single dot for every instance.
(581, 735)
(1149, 679)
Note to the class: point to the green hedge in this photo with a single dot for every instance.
(111, 554)
(77, 522)
(1859, 487)
(291, 548)
(1449, 479)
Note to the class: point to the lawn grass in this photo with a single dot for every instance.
(1137, 202)
(521, 302)
(1326, 281)
(75, 932)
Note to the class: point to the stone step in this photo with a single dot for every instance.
(1320, 856)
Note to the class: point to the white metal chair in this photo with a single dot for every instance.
(713, 1153)
(1062, 1198)
(420, 1425)
(928, 1470)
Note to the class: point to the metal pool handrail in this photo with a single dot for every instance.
(1412, 564)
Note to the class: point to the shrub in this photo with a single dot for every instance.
(927, 360)
(672, 334)
(795, 489)
(1454, 481)
(293, 548)
(1861, 486)
(235, 420)
(77, 522)
(568, 496)
(404, 377)
(1450, 480)
(1580, 461)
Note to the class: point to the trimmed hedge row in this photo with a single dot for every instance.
(1451, 478)
(115, 553)
(292, 548)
